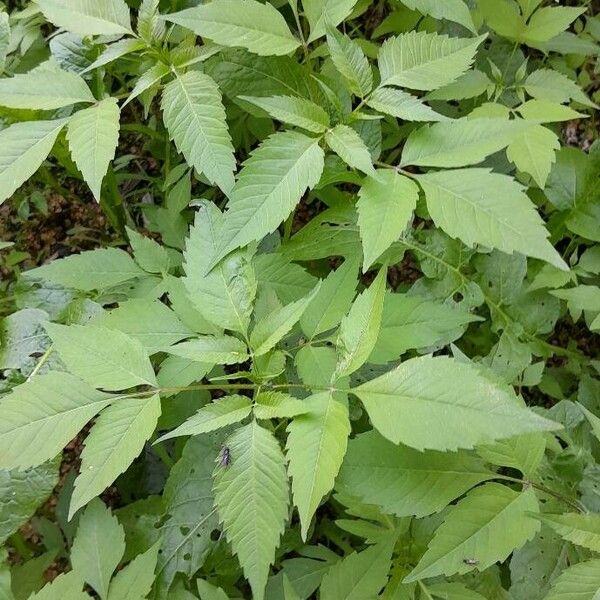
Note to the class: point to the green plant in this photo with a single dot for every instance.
(340, 369)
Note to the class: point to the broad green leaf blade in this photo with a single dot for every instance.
(315, 449)
(134, 582)
(195, 118)
(534, 152)
(105, 358)
(269, 187)
(189, 501)
(554, 86)
(50, 409)
(322, 14)
(277, 405)
(257, 27)
(332, 301)
(548, 22)
(98, 547)
(86, 17)
(274, 326)
(253, 519)
(292, 110)
(91, 270)
(224, 296)
(411, 322)
(578, 582)
(359, 575)
(442, 404)
(224, 349)
(481, 207)
(360, 327)
(21, 492)
(351, 62)
(451, 10)
(485, 526)
(288, 280)
(44, 89)
(114, 51)
(23, 148)
(580, 529)
(93, 134)
(402, 105)
(219, 413)
(116, 439)
(385, 206)
(460, 143)
(4, 39)
(425, 61)
(349, 146)
(210, 592)
(523, 452)
(66, 585)
(148, 253)
(403, 481)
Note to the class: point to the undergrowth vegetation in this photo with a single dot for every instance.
(338, 336)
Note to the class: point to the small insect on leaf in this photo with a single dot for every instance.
(471, 561)
(225, 457)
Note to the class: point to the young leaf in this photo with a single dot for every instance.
(402, 105)
(460, 143)
(411, 322)
(93, 134)
(253, 520)
(109, 17)
(271, 329)
(149, 254)
(23, 148)
(114, 51)
(548, 22)
(135, 581)
(359, 575)
(481, 207)
(332, 301)
(359, 329)
(349, 146)
(219, 413)
(315, 449)
(580, 529)
(50, 409)
(149, 25)
(415, 405)
(385, 206)
(483, 528)
(91, 270)
(44, 89)
(195, 118)
(403, 481)
(66, 585)
(224, 349)
(534, 152)
(294, 111)
(581, 581)
(277, 405)
(224, 296)
(425, 61)
(116, 439)
(105, 358)
(247, 23)
(98, 547)
(351, 62)
(269, 186)
(322, 14)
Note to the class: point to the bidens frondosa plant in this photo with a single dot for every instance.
(338, 364)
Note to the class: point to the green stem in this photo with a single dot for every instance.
(41, 362)
(542, 488)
